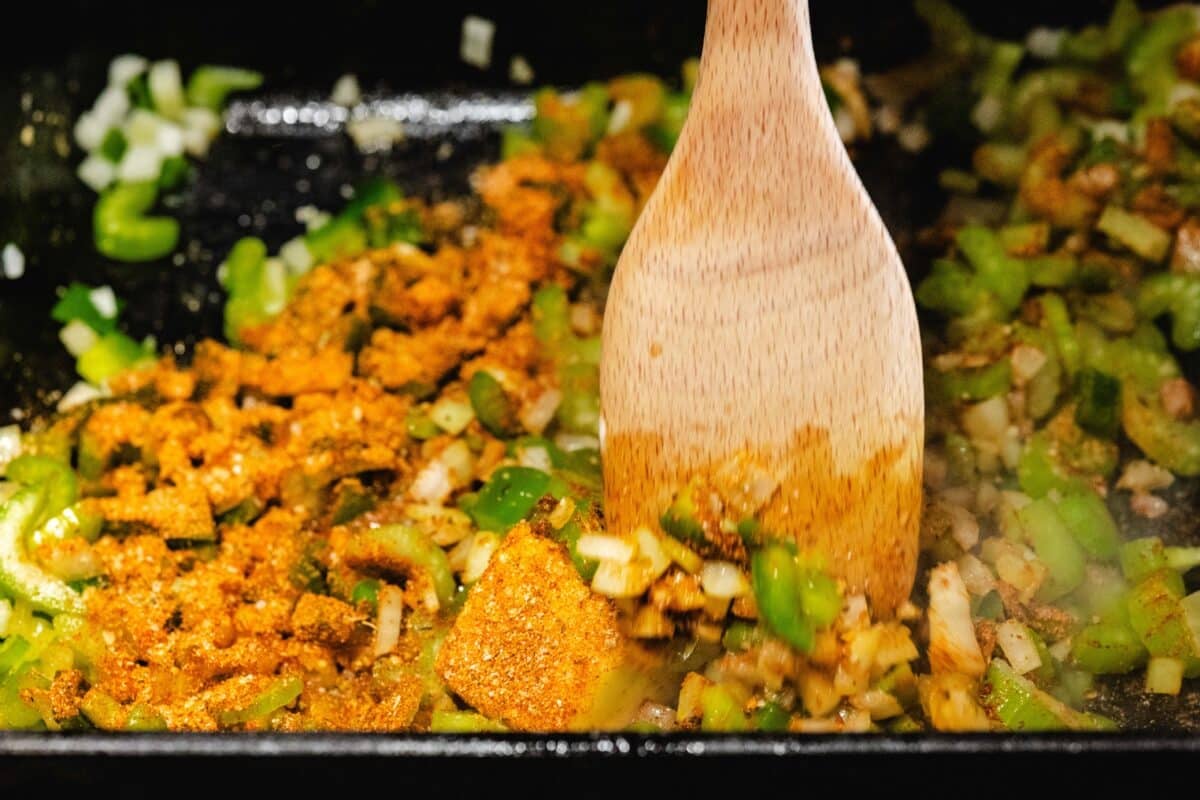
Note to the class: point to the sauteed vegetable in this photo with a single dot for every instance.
(377, 505)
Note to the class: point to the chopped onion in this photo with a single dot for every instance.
(78, 337)
(1164, 676)
(483, 545)
(1026, 361)
(141, 163)
(1111, 129)
(200, 127)
(520, 71)
(166, 88)
(952, 643)
(432, 483)
(536, 415)
(536, 457)
(620, 580)
(878, 703)
(570, 442)
(988, 113)
(723, 580)
(375, 134)
(913, 137)
(13, 261)
(1142, 476)
(843, 120)
(651, 623)
(79, 394)
(986, 421)
(1018, 646)
(964, 528)
(1061, 650)
(111, 107)
(97, 173)
(170, 140)
(5, 616)
(346, 92)
(1045, 43)
(10, 444)
(976, 575)
(124, 68)
(389, 620)
(605, 547)
(89, 131)
(296, 256)
(452, 415)
(104, 300)
(562, 513)
(622, 115)
(651, 552)
(475, 47)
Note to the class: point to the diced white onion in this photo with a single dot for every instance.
(5, 616)
(1143, 476)
(536, 415)
(166, 88)
(913, 137)
(620, 580)
(651, 552)
(124, 68)
(140, 163)
(483, 545)
(141, 127)
(536, 457)
(89, 131)
(1061, 649)
(104, 300)
(346, 92)
(520, 71)
(988, 113)
(1111, 129)
(200, 127)
(976, 575)
(570, 442)
(10, 444)
(1018, 646)
(111, 107)
(1026, 361)
(170, 139)
(1164, 676)
(952, 643)
(79, 394)
(296, 256)
(619, 119)
(432, 483)
(986, 421)
(1182, 92)
(475, 48)
(97, 173)
(562, 513)
(605, 547)
(389, 620)
(375, 134)
(12, 260)
(843, 120)
(723, 579)
(311, 217)
(78, 337)
(452, 415)
(1045, 43)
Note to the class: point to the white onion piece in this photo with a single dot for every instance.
(346, 92)
(89, 131)
(97, 173)
(536, 415)
(389, 619)
(141, 163)
(12, 261)
(952, 643)
(296, 256)
(1018, 646)
(104, 300)
(79, 394)
(5, 616)
(723, 580)
(10, 444)
(475, 48)
(483, 546)
(604, 547)
(124, 68)
(200, 127)
(166, 88)
(78, 337)
(535, 457)
(111, 107)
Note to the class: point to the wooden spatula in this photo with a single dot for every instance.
(760, 328)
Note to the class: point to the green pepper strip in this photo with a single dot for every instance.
(1055, 547)
(1108, 649)
(410, 546)
(776, 581)
(76, 304)
(1178, 295)
(1021, 706)
(508, 496)
(54, 476)
(1087, 518)
(492, 405)
(209, 86)
(123, 232)
(279, 694)
(17, 575)
(1003, 276)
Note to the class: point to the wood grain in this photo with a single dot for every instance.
(760, 311)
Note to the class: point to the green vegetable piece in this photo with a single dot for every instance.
(665, 132)
(144, 719)
(517, 141)
(209, 86)
(463, 722)
(1098, 410)
(1000, 274)
(280, 694)
(1172, 443)
(1122, 23)
(1108, 649)
(493, 407)
(244, 512)
(420, 426)
(19, 577)
(408, 546)
(1135, 233)
(951, 289)
(123, 232)
(776, 581)
(76, 304)
(579, 410)
(1055, 547)
(508, 497)
(819, 596)
(1179, 296)
(113, 145)
(138, 89)
(103, 711)
(1161, 621)
(112, 354)
(1150, 57)
(679, 520)
(1058, 322)
(771, 717)
(1022, 707)
(365, 591)
(721, 711)
(990, 606)
(1089, 521)
(978, 384)
(174, 171)
(1142, 557)
(53, 476)
(350, 500)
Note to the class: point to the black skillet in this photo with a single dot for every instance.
(51, 67)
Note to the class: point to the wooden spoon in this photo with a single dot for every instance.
(760, 331)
